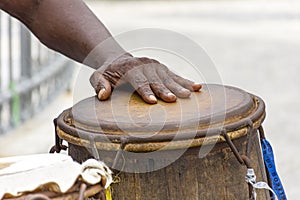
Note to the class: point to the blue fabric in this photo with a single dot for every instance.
(271, 168)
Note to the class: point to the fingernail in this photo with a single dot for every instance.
(185, 93)
(152, 98)
(101, 92)
(171, 94)
(197, 86)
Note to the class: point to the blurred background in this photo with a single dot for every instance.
(255, 46)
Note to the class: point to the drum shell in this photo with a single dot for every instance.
(216, 176)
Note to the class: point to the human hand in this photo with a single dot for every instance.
(150, 79)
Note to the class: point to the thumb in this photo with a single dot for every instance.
(101, 85)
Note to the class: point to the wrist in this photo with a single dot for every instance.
(105, 53)
(116, 57)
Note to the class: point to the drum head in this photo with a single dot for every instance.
(125, 115)
(126, 112)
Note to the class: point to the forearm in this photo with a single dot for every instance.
(67, 26)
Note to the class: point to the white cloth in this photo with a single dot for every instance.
(26, 173)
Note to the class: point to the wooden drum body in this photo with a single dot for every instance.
(171, 150)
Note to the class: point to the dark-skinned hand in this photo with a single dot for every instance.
(149, 78)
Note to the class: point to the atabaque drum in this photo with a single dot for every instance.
(196, 148)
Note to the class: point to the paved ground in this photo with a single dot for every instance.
(37, 134)
(254, 45)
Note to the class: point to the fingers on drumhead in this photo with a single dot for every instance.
(146, 93)
(101, 85)
(162, 92)
(157, 86)
(177, 89)
(150, 81)
(141, 84)
(190, 85)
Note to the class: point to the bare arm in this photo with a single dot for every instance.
(67, 26)
(70, 27)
